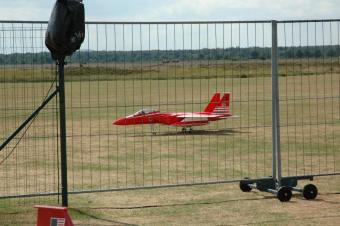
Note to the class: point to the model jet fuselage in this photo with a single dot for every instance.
(217, 109)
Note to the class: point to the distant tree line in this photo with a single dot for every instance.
(165, 56)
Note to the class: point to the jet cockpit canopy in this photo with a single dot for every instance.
(144, 112)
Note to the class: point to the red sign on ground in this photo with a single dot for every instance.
(53, 216)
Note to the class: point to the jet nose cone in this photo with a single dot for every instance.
(118, 122)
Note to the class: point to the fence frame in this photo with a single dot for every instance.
(271, 184)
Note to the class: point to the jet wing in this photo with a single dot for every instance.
(186, 124)
(195, 115)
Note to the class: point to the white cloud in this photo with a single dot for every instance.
(25, 10)
(245, 9)
(179, 9)
(23, 14)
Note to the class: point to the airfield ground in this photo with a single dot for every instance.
(104, 156)
(207, 205)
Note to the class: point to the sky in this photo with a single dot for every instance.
(176, 10)
(197, 36)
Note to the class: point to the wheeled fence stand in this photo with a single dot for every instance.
(280, 186)
(284, 192)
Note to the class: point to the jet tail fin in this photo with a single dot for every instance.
(213, 103)
(217, 105)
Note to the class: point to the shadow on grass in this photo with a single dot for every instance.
(221, 132)
(318, 199)
(297, 196)
(92, 216)
(182, 204)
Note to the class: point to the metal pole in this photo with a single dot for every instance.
(275, 108)
(62, 118)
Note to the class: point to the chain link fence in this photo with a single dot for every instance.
(172, 68)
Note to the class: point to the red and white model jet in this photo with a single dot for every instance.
(217, 109)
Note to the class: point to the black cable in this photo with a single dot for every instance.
(27, 127)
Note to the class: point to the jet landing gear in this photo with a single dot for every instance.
(187, 129)
(153, 129)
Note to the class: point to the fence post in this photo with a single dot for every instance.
(275, 108)
(62, 118)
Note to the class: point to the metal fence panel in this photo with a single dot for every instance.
(29, 163)
(309, 97)
(171, 67)
(123, 68)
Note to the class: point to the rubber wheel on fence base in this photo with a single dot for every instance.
(244, 186)
(310, 191)
(284, 194)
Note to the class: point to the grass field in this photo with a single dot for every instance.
(202, 205)
(103, 156)
(174, 70)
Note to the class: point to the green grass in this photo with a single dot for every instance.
(103, 156)
(162, 71)
(204, 205)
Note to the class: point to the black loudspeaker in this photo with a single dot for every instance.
(66, 28)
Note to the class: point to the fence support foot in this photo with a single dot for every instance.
(284, 192)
